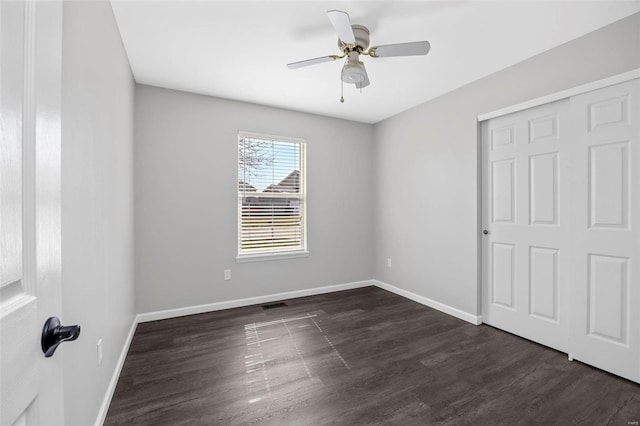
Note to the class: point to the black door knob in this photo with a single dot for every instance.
(54, 333)
(485, 232)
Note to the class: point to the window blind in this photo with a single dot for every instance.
(271, 195)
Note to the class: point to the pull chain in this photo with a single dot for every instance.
(341, 91)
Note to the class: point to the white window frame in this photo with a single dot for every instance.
(275, 254)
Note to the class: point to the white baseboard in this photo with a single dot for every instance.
(217, 306)
(473, 319)
(102, 414)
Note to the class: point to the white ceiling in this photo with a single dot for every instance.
(239, 49)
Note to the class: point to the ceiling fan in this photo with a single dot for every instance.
(353, 40)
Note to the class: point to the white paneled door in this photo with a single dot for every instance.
(605, 246)
(30, 80)
(524, 206)
(561, 211)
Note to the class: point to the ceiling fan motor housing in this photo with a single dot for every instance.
(361, 34)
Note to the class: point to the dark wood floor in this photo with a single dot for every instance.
(362, 356)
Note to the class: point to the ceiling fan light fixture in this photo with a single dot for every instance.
(353, 40)
(353, 70)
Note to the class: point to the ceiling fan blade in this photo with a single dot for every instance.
(364, 83)
(401, 49)
(342, 24)
(305, 63)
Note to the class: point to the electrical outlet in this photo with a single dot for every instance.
(389, 263)
(227, 274)
(99, 351)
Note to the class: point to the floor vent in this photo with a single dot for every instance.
(274, 305)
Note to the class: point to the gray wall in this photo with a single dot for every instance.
(186, 200)
(97, 202)
(426, 180)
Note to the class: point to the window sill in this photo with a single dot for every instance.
(271, 256)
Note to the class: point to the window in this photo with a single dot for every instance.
(271, 197)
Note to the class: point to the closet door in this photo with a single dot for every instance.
(605, 237)
(525, 215)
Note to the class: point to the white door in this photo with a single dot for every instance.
(605, 249)
(30, 55)
(524, 207)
